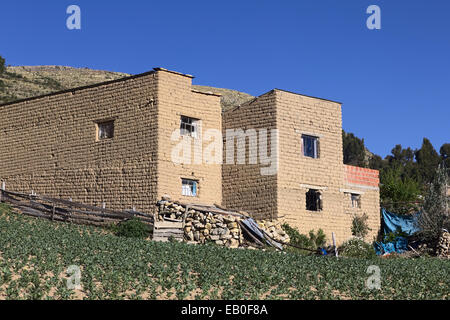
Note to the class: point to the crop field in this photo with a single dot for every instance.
(35, 256)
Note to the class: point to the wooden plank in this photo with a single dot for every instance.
(54, 210)
(160, 239)
(172, 220)
(69, 203)
(169, 233)
(167, 224)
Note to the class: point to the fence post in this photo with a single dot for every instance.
(334, 245)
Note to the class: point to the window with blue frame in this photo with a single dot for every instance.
(310, 146)
(189, 187)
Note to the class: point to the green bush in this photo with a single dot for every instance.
(357, 248)
(360, 227)
(133, 228)
(391, 236)
(311, 242)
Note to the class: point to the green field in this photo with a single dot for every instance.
(35, 255)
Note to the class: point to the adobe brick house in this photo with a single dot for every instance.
(312, 188)
(114, 142)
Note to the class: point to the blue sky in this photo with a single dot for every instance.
(393, 82)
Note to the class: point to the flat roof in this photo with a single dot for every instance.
(304, 95)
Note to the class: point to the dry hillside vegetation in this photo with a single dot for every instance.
(28, 81)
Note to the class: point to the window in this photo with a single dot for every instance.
(356, 200)
(189, 187)
(310, 146)
(105, 130)
(313, 200)
(189, 126)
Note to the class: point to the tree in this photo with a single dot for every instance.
(403, 160)
(445, 156)
(2, 65)
(435, 214)
(376, 162)
(354, 150)
(399, 194)
(427, 160)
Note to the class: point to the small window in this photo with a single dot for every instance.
(105, 130)
(189, 187)
(310, 146)
(189, 127)
(356, 200)
(313, 200)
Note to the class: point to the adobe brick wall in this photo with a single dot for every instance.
(176, 98)
(297, 115)
(49, 145)
(244, 188)
(284, 195)
(366, 182)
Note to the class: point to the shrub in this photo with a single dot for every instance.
(435, 215)
(360, 227)
(392, 236)
(2, 65)
(133, 228)
(300, 240)
(319, 239)
(357, 248)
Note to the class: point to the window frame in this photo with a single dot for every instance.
(192, 123)
(98, 129)
(318, 201)
(358, 200)
(193, 191)
(316, 146)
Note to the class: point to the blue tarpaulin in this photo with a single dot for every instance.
(399, 245)
(394, 222)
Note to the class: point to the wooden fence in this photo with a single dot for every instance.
(68, 211)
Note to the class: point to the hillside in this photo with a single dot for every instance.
(28, 81)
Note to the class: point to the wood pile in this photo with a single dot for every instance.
(201, 224)
(274, 230)
(443, 250)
